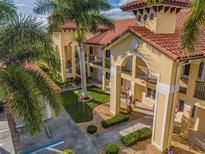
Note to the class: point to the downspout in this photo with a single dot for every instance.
(173, 107)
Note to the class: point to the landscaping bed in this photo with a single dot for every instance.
(134, 137)
(119, 118)
(82, 112)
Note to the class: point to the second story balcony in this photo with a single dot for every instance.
(144, 74)
(76, 57)
(127, 70)
(98, 61)
(183, 84)
(200, 90)
(91, 58)
(107, 63)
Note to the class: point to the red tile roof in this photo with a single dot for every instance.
(141, 3)
(169, 44)
(72, 26)
(106, 37)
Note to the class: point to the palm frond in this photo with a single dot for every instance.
(24, 36)
(44, 6)
(193, 25)
(18, 91)
(47, 89)
(7, 11)
(98, 19)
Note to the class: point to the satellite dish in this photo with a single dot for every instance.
(134, 44)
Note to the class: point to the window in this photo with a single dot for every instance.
(56, 36)
(139, 18)
(201, 71)
(186, 70)
(91, 69)
(107, 76)
(145, 17)
(107, 53)
(91, 50)
(193, 113)
(151, 93)
(180, 106)
(151, 16)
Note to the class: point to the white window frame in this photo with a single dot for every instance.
(203, 73)
(149, 98)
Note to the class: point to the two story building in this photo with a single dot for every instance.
(144, 55)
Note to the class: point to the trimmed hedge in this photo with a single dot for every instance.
(119, 118)
(134, 137)
(111, 148)
(91, 129)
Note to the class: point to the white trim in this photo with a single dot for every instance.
(164, 120)
(157, 146)
(167, 89)
(195, 115)
(188, 106)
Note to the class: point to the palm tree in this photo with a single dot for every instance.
(85, 13)
(193, 25)
(23, 86)
(7, 11)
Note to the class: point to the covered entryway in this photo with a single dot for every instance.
(149, 74)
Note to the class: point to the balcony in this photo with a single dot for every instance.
(107, 63)
(200, 90)
(183, 84)
(76, 57)
(78, 70)
(126, 70)
(144, 74)
(98, 61)
(91, 58)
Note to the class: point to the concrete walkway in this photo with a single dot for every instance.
(197, 138)
(115, 133)
(64, 134)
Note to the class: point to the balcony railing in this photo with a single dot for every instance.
(98, 61)
(144, 74)
(91, 58)
(126, 70)
(107, 63)
(183, 84)
(200, 90)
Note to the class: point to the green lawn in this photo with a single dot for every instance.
(81, 113)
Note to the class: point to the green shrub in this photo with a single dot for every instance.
(77, 80)
(119, 118)
(134, 137)
(91, 129)
(111, 148)
(67, 151)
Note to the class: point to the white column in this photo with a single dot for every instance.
(115, 90)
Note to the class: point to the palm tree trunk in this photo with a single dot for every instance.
(12, 126)
(82, 69)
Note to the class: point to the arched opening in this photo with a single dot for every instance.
(138, 82)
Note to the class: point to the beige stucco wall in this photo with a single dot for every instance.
(66, 39)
